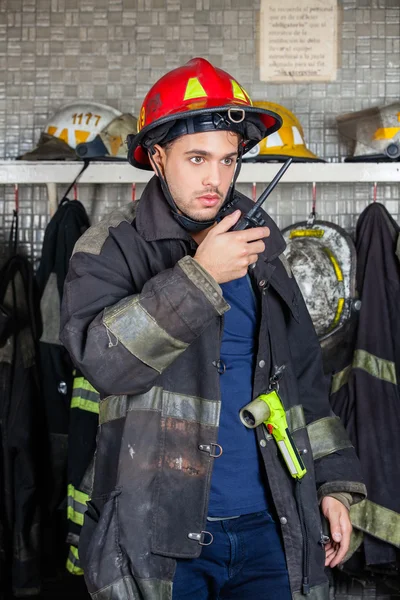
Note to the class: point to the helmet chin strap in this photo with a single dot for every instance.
(186, 222)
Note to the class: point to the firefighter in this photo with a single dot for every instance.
(164, 317)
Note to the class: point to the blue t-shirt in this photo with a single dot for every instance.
(236, 485)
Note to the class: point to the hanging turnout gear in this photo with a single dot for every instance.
(288, 142)
(194, 98)
(84, 420)
(374, 132)
(322, 257)
(22, 456)
(86, 130)
(65, 228)
(365, 392)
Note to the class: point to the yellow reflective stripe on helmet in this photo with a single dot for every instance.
(239, 93)
(332, 258)
(81, 136)
(76, 505)
(327, 435)
(286, 134)
(73, 565)
(194, 89)
(376, 520)
(386, 133)
(317, 233)
(339, 310)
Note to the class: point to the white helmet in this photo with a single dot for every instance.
(84, 129)
(375, 133)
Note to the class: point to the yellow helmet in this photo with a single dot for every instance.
(288, 141)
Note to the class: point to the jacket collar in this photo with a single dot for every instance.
(154, 220)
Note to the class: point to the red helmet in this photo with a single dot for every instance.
(197, 89)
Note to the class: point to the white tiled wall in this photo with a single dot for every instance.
(55, 51)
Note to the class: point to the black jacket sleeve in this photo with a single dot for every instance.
(122, 338)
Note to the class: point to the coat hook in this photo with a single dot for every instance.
(313, 214)
(16, 198)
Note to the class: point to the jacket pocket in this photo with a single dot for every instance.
(189, 433)
(99, 550)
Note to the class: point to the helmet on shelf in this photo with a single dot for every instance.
(283, 144)
(374, 132)
(86, 130)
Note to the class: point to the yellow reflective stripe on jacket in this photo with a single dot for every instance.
(73, 564)
(340, 378)
(81, 382)
(84, 396)
(377, 367)
(377, 521)
(327, 436)
(76, 505)
(140, 333)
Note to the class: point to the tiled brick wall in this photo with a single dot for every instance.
(55, 51)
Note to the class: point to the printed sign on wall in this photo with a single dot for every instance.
(298, 40)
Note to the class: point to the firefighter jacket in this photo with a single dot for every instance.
(143, 322)
(366, 392)
(64, 229)
(21, 431)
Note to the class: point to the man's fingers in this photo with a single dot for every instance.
(346, 529)
(226, 223)
(340, 528)
(341, 553)
(335, 527)
(331, 551)
(254, 233)
(253, 258)
(255, 247)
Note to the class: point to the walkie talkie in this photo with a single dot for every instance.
(254, 218)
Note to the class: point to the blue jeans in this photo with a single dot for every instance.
(245, 562)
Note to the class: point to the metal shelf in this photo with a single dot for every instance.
(24, 172)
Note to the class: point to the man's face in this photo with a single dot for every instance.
(199, 169)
